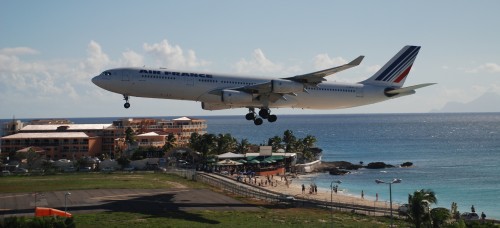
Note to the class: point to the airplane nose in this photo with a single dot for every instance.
(95, 79)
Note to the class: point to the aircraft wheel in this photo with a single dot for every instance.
(258, 121)
(264, 113)
(272, 118)
(250, 116)
(126, 105)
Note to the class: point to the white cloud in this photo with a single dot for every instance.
(132, 59)
(96, 59)
(173, 56)
(490, 67)
(18, 51)
(259, 63)
(373, 69)
(483, 68)
(323, 61)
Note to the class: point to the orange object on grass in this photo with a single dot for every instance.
(45, 211)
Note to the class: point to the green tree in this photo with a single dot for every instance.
(439, 216)
(31, 158)
(305, 146)
(123, 161)
(275, 142)
(243, 146)
(225, 143)
(170, 142)
(419, 204)
(129, 135)
(289, 140)
(205, 144)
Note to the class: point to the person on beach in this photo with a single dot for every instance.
(376, 197)
(362, 194)
(483, 216)
(303, 188)
(472, 209)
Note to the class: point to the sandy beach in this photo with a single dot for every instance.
(294, 188)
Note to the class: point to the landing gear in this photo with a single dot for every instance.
(264, 113)
(126, 105)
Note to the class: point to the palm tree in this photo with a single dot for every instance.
(243, 146)
(439, 216)
(170, 142)
(205, 144)
(129, 135)
(289, 140)
(309, 141)
(419, 204)
(275, 142)
(225, 143)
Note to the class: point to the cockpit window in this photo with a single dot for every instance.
(106, 73)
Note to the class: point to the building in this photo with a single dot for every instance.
(66, 140)
(56, 145)
(181, 128)
(11, 127)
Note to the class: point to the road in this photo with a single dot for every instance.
(149, 201)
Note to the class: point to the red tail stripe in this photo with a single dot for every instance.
(403, 75)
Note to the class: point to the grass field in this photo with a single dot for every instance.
(80, 181)
(270, 215)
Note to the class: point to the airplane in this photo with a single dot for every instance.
(227, 91)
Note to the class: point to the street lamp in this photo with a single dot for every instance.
(331, 197)
(394, 181)
(65, 198)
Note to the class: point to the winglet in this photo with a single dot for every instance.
(356, 61)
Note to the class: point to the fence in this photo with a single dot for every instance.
(243, 189)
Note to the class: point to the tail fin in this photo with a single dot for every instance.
(394, 72)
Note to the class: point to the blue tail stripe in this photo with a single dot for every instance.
(402, 66)
(401, 61)
(403, 57)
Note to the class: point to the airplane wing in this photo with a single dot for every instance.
(318, 76)
(274, 90)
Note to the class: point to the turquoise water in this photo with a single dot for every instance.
(455, 155)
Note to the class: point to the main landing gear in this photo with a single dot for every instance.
(264, 113)
(126, 105)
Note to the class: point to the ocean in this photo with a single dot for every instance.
(455, 155)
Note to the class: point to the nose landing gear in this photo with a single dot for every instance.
(126, 105)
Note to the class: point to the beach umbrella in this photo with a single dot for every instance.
(254, 162)
(228, 162)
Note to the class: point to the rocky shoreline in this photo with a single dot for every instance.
(344, 167)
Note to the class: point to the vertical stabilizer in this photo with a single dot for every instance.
(394, 72)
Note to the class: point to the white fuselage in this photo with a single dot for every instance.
(196, 86)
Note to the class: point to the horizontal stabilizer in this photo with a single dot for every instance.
(408, 89)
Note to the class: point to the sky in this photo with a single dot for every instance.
(50, 50)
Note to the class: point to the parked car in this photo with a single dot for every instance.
(129, 168)
(469, 216)
(21, 170)
(69, 169)
(107, 169)
(5, 173)
(86, 169)
(403, 209)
